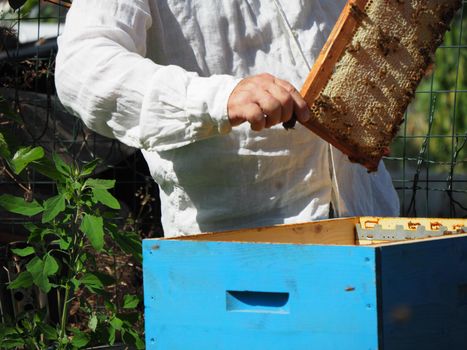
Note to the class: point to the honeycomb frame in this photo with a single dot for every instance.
(369, 69)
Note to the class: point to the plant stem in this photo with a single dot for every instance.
(74, 253)
(64, 318)
(10, 173)
(35, 343)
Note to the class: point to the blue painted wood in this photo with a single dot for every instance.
(287, 296)
(424, 295)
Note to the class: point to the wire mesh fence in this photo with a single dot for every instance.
(428, 161)
(429, 158)
(32, 114)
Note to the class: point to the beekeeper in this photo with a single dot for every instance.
(185, 82)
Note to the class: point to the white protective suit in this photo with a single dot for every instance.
(157, 74)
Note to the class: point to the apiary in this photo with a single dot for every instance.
(356, 283)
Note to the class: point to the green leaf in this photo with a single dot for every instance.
(30, 226)
(41, 270)
(11, 338)
(139, 342)
(75, 283)
(49, 332)
(36, 234)
(4, 331)
(92, 324)
(129, 242)
(47, 168)
(23, 280)
(130, 301)
(4, 150)
(105, 197)
(93, 228)
(111, 335)
(12, 343)
(64, 243)
(24, 251)
(106, 279)
(96, 282)
(61, 166)
(133, 338)
(116, 323)
(24, 156)
(110, 306)
(100, 184)
(52, 207)
(19, 206)
(129, 317)
(80, 339)
(88, 168)
(91, 282)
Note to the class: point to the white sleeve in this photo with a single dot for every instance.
(102, 77)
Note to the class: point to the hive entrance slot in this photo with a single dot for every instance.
(259, 302)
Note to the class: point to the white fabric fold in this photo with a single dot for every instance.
(157, 75)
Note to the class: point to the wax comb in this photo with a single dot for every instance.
(366, 75)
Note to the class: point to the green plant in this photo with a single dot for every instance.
(28, 7)
(439, 110)
(70, 229)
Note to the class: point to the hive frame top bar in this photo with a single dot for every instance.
(335, 46)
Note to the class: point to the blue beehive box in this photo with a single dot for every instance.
(308, 286)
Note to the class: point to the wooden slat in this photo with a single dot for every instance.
(423, 294)
(335, 46)
(322, 70)
(330, 296)
(331, 232)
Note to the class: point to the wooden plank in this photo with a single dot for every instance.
(424, 294)
(335, 46)
(367, 242)
(287, 296)
(333, 232)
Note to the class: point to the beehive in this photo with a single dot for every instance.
(368, 71)
(310, 286)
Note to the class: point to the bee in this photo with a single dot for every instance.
(418, 11)
(369, 82)
(387, 43)
(358, 14)
(354, 48)
(383, 72)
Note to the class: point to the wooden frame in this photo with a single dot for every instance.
(322, 70)
(332, 51)
(419, 56)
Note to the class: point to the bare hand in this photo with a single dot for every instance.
(264, 101)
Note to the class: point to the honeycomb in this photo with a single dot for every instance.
(363, 102)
